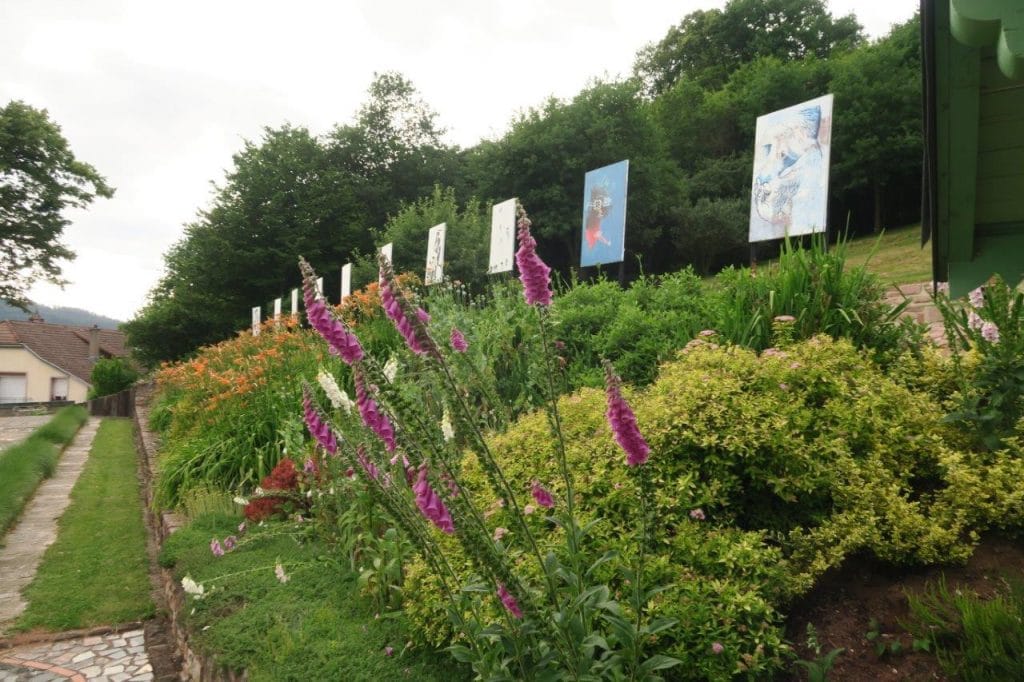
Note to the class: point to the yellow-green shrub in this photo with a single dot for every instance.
(797, 457)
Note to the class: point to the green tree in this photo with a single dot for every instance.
(39, 178)
(708, 45)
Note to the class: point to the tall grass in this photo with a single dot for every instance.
(24, 465)
(814, 285)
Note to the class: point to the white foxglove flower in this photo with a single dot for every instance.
(192, 587)
(241, 501)
(282, 577)
(391, 368)
(339, 399)
(446, 426)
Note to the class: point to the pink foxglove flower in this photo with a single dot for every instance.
(977, 298)
(529, 509)
(430, 503)
(458, 340)
(368, 466)
(241, 528)
(230, 542)
(374, 419)
(541, 495)
(393, 303)
(717, 648)
(423, 315)
(215, 547)
(974, 321)
(340, 340)
(499, 533)
(697, 514)
(623, 422)
(509, 602)
(319, 428)
(990, 332)
(279, 573)
(533, 273)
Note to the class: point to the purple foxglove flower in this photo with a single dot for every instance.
(376, 420)
(541, 495)
(368, 466)
(309, 467)
(319, 428)
(230, 542)
(623, 422)
(509, 602)
(990, 332)
(974, 321)
(533, 273)
(717, 648)
(697, 514)
(241, 528)
(388, 650)
(977, 298)
(423, 315)
(216, 548)
(392, 302)
(430, 503)
(458, 341)
(340, 340)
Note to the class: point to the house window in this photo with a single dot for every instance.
(13, 388)
(59, 388)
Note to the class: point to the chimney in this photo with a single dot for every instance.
(94, 343)
(35, 317)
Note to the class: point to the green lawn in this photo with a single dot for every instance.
(96, 571)
(315, 626)
(899, 258)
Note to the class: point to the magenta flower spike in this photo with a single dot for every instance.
(623, 422)
(319, 428)
(541, 495)
(368, 466)
(391, 300)
(340, 340)
(509, 602)
(458, 340)
(374, 419)
(430, 503)
(215, 548)
(533, 273)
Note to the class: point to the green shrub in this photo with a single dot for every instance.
(111, 375)
(797, 457)
(636, 329)
(64, 425)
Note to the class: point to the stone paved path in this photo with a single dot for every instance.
(116, 657)
(14, 429)
(24, 545)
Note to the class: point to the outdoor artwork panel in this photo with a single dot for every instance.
(386, 251)
(604, 214)
(295, 303)
(435, 255)
(789, 195)
(503, 236)
(346, 281)
(257, 317)
(277, 309)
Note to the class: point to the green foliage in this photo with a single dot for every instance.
(39, 178)
(636, 328)
(96, 572)
(991, 399)
(313, 627)
(814, 286)
(64, 425)
(975, 639)
(111, 375)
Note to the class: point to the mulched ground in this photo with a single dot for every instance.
(844, 603)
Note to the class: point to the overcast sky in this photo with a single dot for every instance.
(158, 96)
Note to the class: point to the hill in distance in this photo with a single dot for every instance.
(59, 315)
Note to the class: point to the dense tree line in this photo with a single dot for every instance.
(685, 119)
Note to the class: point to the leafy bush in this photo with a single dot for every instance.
(111, 375)
(795, 458)
(814, 286)
(991, 323)
(635, 329)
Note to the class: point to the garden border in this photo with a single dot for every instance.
(173, 641)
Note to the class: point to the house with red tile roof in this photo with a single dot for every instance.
(42, 362)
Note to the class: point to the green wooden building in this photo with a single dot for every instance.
(973, 203)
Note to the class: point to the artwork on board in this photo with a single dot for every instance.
(346, 281)
(277, 309)
(295, 303)
(789, 194)
(604, 214)
(386, 251)
(257, 317)
(503, 236)
(435, 255)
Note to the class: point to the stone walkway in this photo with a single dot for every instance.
(14, 429)
(24, 545)
(116, 657)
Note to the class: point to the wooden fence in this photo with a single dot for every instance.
(114, 405)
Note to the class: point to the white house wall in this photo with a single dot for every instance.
(38, 374)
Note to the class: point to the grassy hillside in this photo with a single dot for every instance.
(898, 258)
